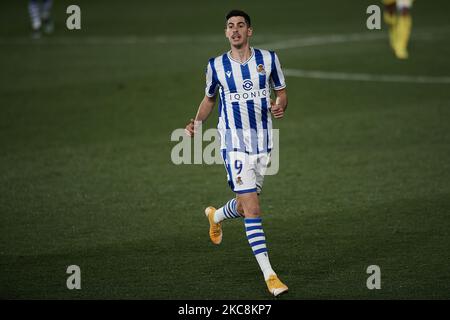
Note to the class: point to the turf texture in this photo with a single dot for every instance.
(86, 177)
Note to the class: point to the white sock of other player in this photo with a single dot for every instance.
(228, 211)
(35, 16)
(257, 241)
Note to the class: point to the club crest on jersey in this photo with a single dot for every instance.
(239, 181)
(228, 74)
(260, 69)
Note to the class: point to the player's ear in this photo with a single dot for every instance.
(250, 31)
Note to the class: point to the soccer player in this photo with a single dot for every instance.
(242, 78)
(40, 17)
(397, 15)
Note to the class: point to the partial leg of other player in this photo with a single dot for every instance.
(40, 16)
(397, 16)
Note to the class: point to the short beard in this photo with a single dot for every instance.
(239, 46)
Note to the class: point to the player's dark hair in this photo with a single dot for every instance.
(239, 13)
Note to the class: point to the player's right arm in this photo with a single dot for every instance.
(278, 107)
(208, 101)
(204, 110)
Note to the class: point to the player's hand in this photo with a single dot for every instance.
(189, 130)
(277, 110)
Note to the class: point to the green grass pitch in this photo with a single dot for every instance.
(86, 177)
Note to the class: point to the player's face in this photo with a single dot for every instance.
(237, 31)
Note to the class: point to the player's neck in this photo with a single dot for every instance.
(241, 54)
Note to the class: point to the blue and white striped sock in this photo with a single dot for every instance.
(228, 211)
(257, 241)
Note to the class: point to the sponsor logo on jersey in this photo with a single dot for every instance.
(250, 95)
(247, 85)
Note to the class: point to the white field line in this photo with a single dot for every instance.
(364, 77)
(338, 38)
(322, 40)
(262, 41)
(106, 40)
(301, 41)
(344, 38)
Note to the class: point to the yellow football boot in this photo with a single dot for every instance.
(275, 286)
(215, 229)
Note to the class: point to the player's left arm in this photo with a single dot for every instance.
(279, 106)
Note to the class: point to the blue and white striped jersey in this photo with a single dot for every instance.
(245, 122)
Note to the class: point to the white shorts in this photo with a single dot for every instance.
(404, 4)
(245, 172)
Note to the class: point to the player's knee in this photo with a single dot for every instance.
(240, 207)
(390, 9)
(252, 211)
(404, 11)
(249, 204)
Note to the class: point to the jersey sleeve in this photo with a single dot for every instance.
(276, 76)
(211, 79)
